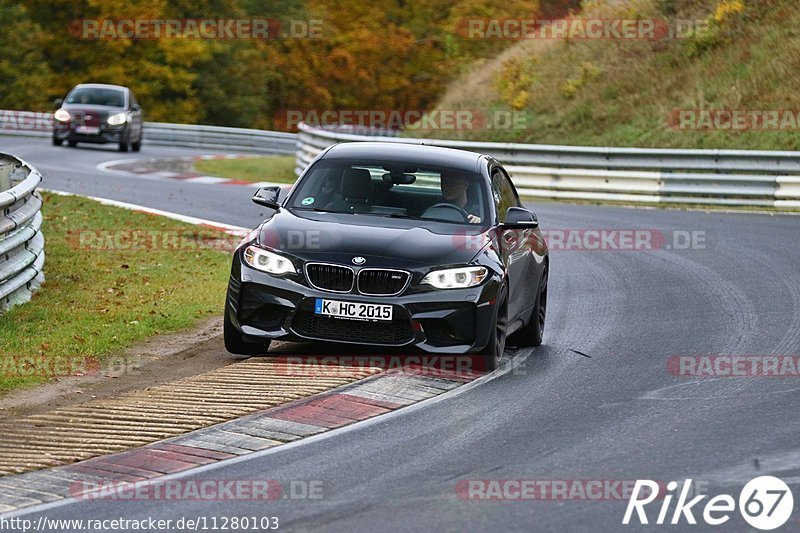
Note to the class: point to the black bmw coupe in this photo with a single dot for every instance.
(392, 245)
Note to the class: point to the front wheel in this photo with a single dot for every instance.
(533, 332)
(494, 349)
(235, 343)
(57, 142)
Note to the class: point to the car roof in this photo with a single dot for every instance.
(101, 86)
(406, 153)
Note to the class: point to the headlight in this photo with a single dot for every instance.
(62, 115)
(456, 278)
(116, 120)
(269, 262)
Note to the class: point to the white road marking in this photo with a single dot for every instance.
(227, 228)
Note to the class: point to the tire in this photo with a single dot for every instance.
(57, 142)
(136, 146)
(533, 332)
(72, 144)
(124, 145)
(494, 349)
(235, 343)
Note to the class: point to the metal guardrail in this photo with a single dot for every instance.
(219, 138)
(39, 124)
(21, 240)
(629, 175)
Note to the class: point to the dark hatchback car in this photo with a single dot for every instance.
(392, 245)
(99, 113)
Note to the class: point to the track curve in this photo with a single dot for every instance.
(617, 414)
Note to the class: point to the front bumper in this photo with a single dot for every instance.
(451, 321)
(107, 134)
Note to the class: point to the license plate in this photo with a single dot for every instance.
(352, 310)
(87, 130)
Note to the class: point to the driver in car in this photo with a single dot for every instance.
(454, 191)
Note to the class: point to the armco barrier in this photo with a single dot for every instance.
(629, 175)
(39, 124)
(21, 240)
(220, 138)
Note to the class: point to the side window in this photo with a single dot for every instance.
(503, 194)
(133, 101)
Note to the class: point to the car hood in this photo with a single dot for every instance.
(381, 241)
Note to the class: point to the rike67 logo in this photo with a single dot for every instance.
(765, 503)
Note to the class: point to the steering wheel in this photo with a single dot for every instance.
(446, 211)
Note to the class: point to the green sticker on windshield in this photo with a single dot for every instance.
(308, 201)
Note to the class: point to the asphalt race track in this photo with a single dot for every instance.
(596, 402)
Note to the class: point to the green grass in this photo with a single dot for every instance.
(276, 169)
(620, 93)
(113, 277)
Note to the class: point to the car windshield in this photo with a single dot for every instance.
(97, 96)
(403, 190)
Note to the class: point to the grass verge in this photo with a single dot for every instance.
(743, 56)
(276, 169)
(113, 277)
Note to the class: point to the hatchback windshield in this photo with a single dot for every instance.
(393, 190)
(97, 96)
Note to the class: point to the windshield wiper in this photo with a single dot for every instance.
(396, 215)
(315, 209)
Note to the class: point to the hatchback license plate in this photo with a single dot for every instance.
(352, 310)
(87, 130)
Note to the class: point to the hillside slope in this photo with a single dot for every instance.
(744, 57)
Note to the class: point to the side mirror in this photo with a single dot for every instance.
(58, 102)
(268, 197)
(518, 217)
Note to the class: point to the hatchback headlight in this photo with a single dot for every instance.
(117, 119)
(456, 278)
(62, 115)
(269, 262)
